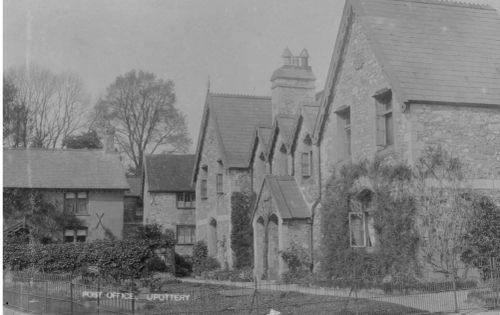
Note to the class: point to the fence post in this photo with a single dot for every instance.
(133, 303)
(71, 293)
(46, 294)
(455, 298)
(98, 294)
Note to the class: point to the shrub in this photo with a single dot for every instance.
(156, 264)
(242, 232)
(115, 260)
(299, 265)
(201, 261)
(183, 265)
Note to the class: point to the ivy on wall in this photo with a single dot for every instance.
(393, 206)
(242, 232)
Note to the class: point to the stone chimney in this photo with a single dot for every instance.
(293, 84)
(109, 140)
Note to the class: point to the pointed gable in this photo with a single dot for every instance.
(431, 51)
(235, 117)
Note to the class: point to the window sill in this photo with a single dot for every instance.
(220, 193)
(184, 244)
(82, 214)
(204, 198)
(186, 208)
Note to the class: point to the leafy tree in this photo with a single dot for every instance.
(85, 140)
(154, 236)
(15, 115)
(141, 109)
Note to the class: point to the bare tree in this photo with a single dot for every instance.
(54, 104)
(140, 108)
(446, 209)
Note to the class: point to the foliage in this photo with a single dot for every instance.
(46, 219)
(445, 209)
(394, 207)
(235, 275)
(156, 264)
(85, 140)
(153, 235)
(201, 261)
(141, 109)
(116, 260)
(47, 108)
(298, 261)
(483, 237)
(242, 232)
(183, 265)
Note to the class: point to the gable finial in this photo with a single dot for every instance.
(208, 84)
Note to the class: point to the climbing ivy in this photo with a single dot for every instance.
(394, 216)
(242, 232)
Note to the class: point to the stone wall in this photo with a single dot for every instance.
(360, 77)
(217, 206)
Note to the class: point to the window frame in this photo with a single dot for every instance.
(367, 226)
(74, 233)
(203, 189)
(385, 135)
(182, 201)
(306, 164)
(344, 118)
(76, 202)
(192, 237)
(219, 183)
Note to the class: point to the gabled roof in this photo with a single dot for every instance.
(288, 197)
(261, 136)
(235, 117)
(62, 169)
(169, 172)
(283, 125)
(431, 51)
(135, 184)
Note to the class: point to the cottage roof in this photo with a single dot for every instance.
(438, 51)
(235, 117)
(169, 172)
(288, 197)
(62, 169)
(135, 184)
(432, 51)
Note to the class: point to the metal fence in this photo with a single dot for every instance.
(55, 294)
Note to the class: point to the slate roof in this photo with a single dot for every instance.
(436, 51)
(169, 172)
(289, 200)
(62, 169)
(135, 184)
(236, 117)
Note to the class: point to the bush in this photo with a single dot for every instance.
(241, 275)
(201, 261)
(299, 265)
(156, 264)
(115, 260)
(183, 265)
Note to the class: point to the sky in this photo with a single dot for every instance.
(236, 44)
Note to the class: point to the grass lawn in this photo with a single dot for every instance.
(217, 299)
(210, 299)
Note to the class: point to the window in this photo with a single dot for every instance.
(203, 189)
(75, 235)
(186, 200)
(344, 120)
(306, 164)
(361, 229)
(186, 234)
(385, 121)
(76, 202)
(219, 184)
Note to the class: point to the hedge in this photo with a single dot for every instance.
(116, 259)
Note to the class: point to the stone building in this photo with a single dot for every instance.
(169, 198)
(404, 75)
(221, 164)
(88, 183)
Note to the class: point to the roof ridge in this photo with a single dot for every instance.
(453, 3)
(239, 95)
